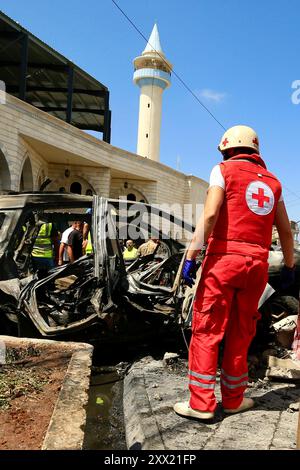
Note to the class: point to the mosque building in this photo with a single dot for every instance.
(49, 105)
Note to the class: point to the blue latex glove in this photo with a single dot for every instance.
(287, 277)
(189, 272)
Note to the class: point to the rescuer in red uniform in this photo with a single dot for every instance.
(243, 202)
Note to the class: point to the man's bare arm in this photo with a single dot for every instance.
(70, 253)
(61, 252)
(207, 221)
(85, 232)
(285, 234)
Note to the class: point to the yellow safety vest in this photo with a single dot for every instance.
(130, 254)
(89, 246)
(43, 245)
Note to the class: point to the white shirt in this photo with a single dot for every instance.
(217, 179)
(65, 235)
(64, 239)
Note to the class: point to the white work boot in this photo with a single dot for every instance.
(246, 404)
(184, 409)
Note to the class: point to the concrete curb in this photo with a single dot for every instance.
(142, 432)
(67, 423)
(66, 427)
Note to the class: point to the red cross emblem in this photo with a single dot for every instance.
(261, 198)
(225, 142)
(255, 141)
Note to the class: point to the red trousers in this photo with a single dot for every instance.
(225, 304)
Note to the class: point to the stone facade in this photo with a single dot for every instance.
(35, 145)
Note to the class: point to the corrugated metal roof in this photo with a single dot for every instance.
(43, 77)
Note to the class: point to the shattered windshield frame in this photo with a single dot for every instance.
(8, 221)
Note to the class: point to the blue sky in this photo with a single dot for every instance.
(239, 57)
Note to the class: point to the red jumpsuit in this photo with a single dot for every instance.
(234, 275)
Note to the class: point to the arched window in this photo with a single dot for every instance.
(4, 173)
(134, 195)
(76, 188)
(26, 183)
(89, 192)
(62, 189)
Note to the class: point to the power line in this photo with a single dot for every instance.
(292, 192)
(293, 201)
(179, 78)
(174, 73)
(292, 204)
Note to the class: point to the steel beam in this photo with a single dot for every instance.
(34, 65)
(38, 88)
(23, 67)
(49, 109)
(107, 118)
(70, 94)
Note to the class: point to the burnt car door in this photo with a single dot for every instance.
(109, 267)
(151, 285)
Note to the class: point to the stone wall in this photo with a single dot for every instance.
(35, 145)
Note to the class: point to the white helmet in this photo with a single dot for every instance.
(239, 136)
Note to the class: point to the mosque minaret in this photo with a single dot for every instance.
(152, 73)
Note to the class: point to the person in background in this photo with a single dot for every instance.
(87, 246)
(75, 241)
(130, 253)
(63, 253)
(46, 246)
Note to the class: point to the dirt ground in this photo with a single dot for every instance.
(29, 387)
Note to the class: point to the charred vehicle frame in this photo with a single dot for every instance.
(99, 291)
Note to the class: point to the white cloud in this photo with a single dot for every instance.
(212, 95)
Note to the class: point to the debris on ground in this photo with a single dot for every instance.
(152, 424)
(288, 369)
(170, 358)
(285, 330)
(294, 407)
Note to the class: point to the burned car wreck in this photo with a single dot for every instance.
(97, 289)
(99, 293)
